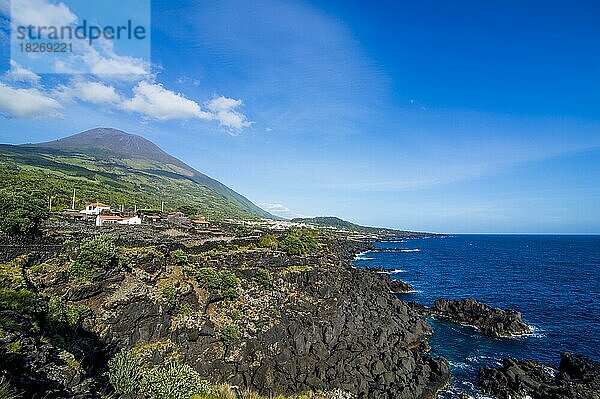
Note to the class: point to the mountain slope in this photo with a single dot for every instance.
(121, 168)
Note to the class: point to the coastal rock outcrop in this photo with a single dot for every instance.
(577, 378)
(400, 287)
(491, 321)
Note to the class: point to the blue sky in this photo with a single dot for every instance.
(441, 116)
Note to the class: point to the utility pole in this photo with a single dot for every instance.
(162, 206)
(73, 203)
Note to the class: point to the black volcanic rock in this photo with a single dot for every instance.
(400, 287)
(577, 378)
(491, 321)
(321, 325)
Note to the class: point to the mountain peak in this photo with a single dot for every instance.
(114, 144)
(110, 141)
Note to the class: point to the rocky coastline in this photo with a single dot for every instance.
(237, 313)
(576, 378)
(491, 321)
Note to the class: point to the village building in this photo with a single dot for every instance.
(101, 220)
(200, 222)
(95, 208)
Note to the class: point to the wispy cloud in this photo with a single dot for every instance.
(224, 110)
(28, 103)
(19, 74)
(154, 101)
(41, 13)
(92, 92)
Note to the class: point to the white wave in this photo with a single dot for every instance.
(536, 332)
(459, 365)
(361, 256)
(410, 250)
(394, 271)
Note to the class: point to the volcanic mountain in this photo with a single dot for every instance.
(113, 166)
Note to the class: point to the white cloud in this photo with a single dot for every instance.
(40, 13)
(91, 92)
(27, 103)
(156, 102)
(19, 74)
(225, 112)
(105, 63)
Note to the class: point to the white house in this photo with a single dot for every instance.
(101, 220)
(95, 208)
(133, 220)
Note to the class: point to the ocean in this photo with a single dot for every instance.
(554, 281)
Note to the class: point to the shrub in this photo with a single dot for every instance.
(188, 210)
(264, 278)
(99, 253)
(269, 241)
(19, 301)
(223, 280)
(208, 277)
(236, 314)
(243, 231)
(297, 243)
(185, 309)
(179, 257)
(173, 382)
(169, 292)
(124, 372)
(22, 213)
(66, 315)
(230, 333)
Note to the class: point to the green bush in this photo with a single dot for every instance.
(264, 278)
(67, 315)
(299, 243)
(22, 213)
(243, 231)
(230, 333)
(124, 372)
(188, 210)
(19, 301)
(208, 277)
(236, 314)
(269, 241)
(169, 292)
(99, 253)
(173, 382)
(179, 257)
(224, 281)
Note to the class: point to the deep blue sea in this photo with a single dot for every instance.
(554, 281)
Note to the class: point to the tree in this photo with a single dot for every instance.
(188, 210)
(22, 213)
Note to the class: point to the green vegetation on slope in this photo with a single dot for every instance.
(129, 182)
